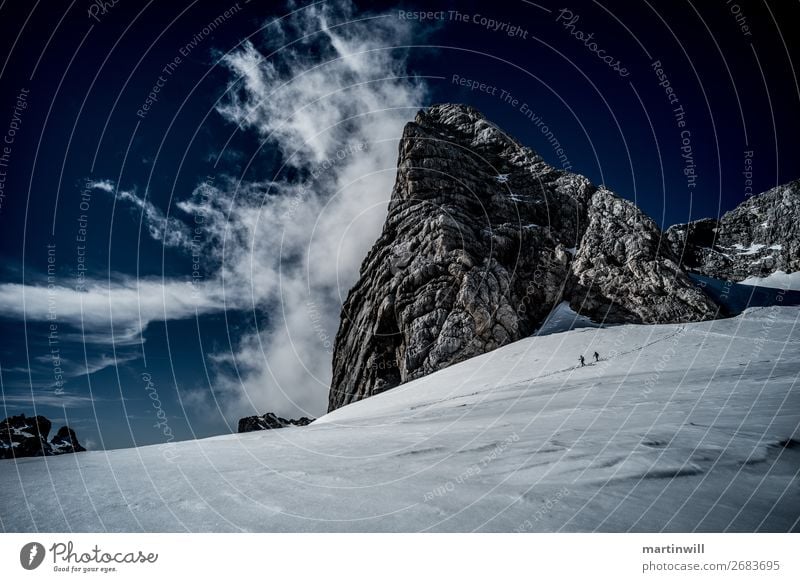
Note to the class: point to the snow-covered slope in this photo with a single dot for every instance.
(777, 280)
(677, 428)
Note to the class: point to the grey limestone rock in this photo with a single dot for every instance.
(626, 272)
(482, 240)
(755, 239)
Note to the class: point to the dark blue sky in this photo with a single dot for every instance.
(84, 75)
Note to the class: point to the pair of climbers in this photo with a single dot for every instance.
(583, 361)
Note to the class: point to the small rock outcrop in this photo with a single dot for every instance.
(22, 436)
(757, 238)
(270, 421)
(65, 441)
(482, 240)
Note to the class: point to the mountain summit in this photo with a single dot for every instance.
(482, 240)
(756, 239)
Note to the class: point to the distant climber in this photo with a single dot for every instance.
(596, 357)
(583, 362)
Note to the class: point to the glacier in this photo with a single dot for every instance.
(678, 427)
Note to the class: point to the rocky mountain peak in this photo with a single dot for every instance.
(625, 270)
(465, 124)
(481, 241)
(755, 239)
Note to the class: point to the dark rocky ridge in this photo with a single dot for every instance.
(22, 436)
(624, 273)
(482, 239)
(270, 421)
(757, 238)
(65, 441)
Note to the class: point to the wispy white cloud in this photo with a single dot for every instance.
(171, 231)
(99, 362)
(103, 314)
(337, 122)
(290, 244)
(129, 304)
(104, 185)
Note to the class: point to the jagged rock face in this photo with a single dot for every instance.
(625, 271)
(692, 242)
(477, 249)
(270, 421)
(757, 238)
(23, 436)
(65, 441)
(472, 253)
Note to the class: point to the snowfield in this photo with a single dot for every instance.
(677, 428)
(777, 280)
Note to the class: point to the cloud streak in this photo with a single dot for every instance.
(48, 398)
(131, 304)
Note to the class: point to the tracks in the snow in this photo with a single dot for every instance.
(527, 382)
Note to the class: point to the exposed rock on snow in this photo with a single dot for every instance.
(478, 248)
(65, 441)
(22, 436)
(759, 237)
(270, 421)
